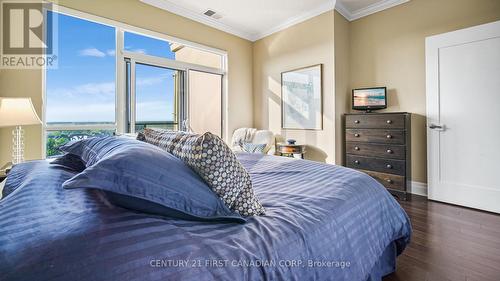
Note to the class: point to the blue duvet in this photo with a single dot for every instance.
(322, 222)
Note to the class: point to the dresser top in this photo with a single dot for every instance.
(375, 113)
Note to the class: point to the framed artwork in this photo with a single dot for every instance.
(301, 98)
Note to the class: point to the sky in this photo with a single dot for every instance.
(82, 88)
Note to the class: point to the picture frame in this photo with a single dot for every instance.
(302, 98)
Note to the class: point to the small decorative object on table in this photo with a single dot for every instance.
(291, 149)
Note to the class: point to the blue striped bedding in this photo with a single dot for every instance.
(323, 222)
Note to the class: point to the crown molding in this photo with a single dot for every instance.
(369, 10)
(181, 11)
(297, 19)
(339, 7)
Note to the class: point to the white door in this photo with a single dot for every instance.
(463, 117)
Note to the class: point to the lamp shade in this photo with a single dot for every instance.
(17, 112)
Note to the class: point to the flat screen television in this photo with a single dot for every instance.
(369, 98)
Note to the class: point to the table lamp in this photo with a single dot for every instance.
(17, 112)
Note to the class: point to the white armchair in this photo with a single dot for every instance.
(253, 136)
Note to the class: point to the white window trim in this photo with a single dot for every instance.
(120, 93)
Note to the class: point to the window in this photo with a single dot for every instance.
(111, 78)
(80, 93)
(156, 97)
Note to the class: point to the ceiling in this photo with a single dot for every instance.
(256, 19)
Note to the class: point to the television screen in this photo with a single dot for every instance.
(369, 98)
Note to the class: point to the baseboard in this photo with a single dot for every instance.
(418, 188)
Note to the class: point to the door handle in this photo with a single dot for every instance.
(436, 127)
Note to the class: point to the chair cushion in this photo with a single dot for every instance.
(253, 147)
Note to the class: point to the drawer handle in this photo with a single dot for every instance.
(356, 148)
(388, 180)
(389, 166)
(356, 121)
(356, 162)
(389, 136)
(389, 151)
(356, 135)
(388, 121)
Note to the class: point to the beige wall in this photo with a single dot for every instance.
(308, 43)
(133, 12)
(388, 49)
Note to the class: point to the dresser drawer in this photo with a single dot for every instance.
(375, 136)
(388, 180)
(376, 150)
(382, 121)
(391, 166)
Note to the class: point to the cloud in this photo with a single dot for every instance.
(95, 102)
(84, 112)
(140, 51)
(95, 89)
(104, 89)
(149, 81)
(155, 111)
(92, 52)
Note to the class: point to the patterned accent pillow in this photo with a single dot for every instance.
(162, 138)
(253, 147)
(214, 161)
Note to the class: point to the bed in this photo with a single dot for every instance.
(322, 222)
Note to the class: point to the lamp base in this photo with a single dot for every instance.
(17, 145)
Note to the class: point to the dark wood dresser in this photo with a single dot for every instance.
(379, 144)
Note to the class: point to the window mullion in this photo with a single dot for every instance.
(121, 95)
(132, 105)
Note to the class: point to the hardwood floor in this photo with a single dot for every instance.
(449, 243)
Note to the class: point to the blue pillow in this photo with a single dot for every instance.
(91, 150)
(70, 161)
(142, 177)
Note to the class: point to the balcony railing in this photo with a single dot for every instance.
(169, 125)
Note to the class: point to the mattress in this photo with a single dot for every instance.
(323, 222)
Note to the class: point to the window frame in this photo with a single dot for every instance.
(121, 111)
(138, 58)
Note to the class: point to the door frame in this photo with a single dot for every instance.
(433, 45)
